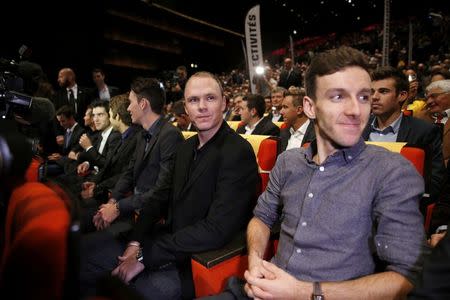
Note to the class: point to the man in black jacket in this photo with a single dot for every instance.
(214, 186)
(390, 90)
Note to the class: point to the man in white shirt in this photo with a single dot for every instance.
(300, 129)
(252, 115)
(107, 140)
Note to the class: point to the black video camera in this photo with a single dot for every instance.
(12, 102)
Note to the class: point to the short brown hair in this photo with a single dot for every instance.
(118, 106)
(332, 61)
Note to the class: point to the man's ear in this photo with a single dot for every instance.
(402, 96)
(143, 103)
(299, 110)
(309, 107)
(253, 112)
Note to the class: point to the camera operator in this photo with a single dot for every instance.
(177, 84)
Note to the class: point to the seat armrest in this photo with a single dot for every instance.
(236, 246)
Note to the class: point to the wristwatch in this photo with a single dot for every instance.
(317, 292)
(139, 255)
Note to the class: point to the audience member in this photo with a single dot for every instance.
(252, 116)
(300, 129)
(340, 201)
(214, 185)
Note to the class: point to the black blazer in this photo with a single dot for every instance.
(83, 100)
(74, 139)
(150, 172)
(435, 277)
(208, 206)
(288, 79)
(416, 132)
(264, 127)
(117, 163)
(285, 135)
(94, 157)
(270, 116)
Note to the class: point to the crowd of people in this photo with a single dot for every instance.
(350, 214)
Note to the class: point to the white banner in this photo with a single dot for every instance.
(253, 43)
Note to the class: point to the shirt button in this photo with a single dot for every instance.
(350, 157)
(321, 168)
(299, 250)
(304, 224)
(310, 195)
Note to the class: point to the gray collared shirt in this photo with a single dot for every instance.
(389, 134)
(362, 200)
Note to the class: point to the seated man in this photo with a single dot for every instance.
(252, 115)
(390, 90)
(213, 191)
(95, 154)
(277, 96)
(58, 162)
(183, 121)
(98, 186)
(301, 129)
(150, 167)
(340, 201)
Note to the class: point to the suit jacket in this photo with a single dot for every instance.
(420, 133)
(270, 116)
(446, 141)
(77, 132)
(116, 164)
(435, 277)
(83, 100)
(113, 91)
(264, 127)
(94, 157)
(285, 135)
(208, 206)
(150, 172)
(288, 79)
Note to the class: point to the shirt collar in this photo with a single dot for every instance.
(394, 127)
(107, 131)
(301, 130)
(152, 128)
(71, 128)
(347, 154)
(248, 127)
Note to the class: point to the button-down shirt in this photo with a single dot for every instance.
(296, 139)
(361, 200)
(388, 134)
(105, 135)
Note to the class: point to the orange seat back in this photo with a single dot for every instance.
(34, 260)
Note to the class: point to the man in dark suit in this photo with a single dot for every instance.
(71, 94)
(95, 154)
(300, 129)
(98, 186)
(435, 277)
(252, 115)
(276, 97)
(150, 168)
(390, 90)
(214, 186)
(184, 123)
(68, 142)
(102, 91)
(289, 76)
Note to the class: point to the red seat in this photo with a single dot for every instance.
(34, 259)
(284, 125)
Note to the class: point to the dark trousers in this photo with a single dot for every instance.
(234, 290)
(99, 252)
